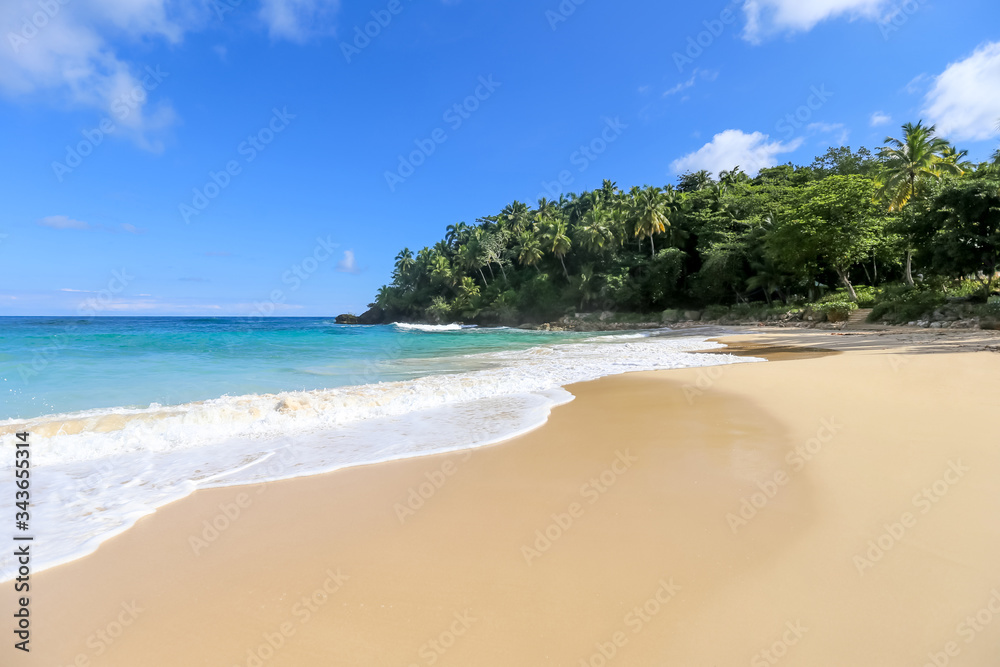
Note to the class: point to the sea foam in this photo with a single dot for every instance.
(97, 472)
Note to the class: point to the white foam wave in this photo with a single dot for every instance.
(97, 472)
(428, 328)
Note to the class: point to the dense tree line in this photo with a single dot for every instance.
(914, 207)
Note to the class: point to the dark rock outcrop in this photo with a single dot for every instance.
(374, 316)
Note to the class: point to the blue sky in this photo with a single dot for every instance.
(240, 157)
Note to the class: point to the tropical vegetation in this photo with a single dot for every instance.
(912, 213)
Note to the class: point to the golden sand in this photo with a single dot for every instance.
(822, 510)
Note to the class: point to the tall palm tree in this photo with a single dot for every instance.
(517, 216)
(441, 271)
(547, 209)
(593, 232)
(920, 157)
(559, 243)
(529, 250)
(649, 215)
(404, 264)
(470, 258)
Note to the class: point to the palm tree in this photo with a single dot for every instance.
(517, 215)
(441, 272)
(559, 242)
(470, 258)
(694, 182)
(546, 209)
(404, 264)
(593, 232)
(529, 250)
(649, 215)
(909, 164)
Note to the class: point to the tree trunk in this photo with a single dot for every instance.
(565, 272)
(909, 268)
(652, 244)
(483, 275)
(500, 264)
(847, 283)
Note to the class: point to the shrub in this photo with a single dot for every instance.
(866, 296)
(901, 304)
(715, 313)
(837, 311)
(671, 316)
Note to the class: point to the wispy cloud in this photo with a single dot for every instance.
(879, 118)
(841, 130)
(347, 263)
(62, 222)
(766, 18)
(65, 222)
(296, 20)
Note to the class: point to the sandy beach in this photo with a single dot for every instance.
(836, 506)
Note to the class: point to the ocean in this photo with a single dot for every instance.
(129, 414)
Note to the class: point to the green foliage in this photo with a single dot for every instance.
(837, 311)
(867, 296)
(715, 313)
(959, 229)
(901, 304)
(778, 239)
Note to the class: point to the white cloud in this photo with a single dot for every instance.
(683, 85)
(72, 48)
(62, 222)
(878, 118)
(769, 17)
(965, 100)
(751, 152)
(296, 19)
(348, 263)
(708, 75)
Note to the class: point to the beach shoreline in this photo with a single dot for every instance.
(557, 546)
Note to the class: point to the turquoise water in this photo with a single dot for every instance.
(59, 365)
(129, 414)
